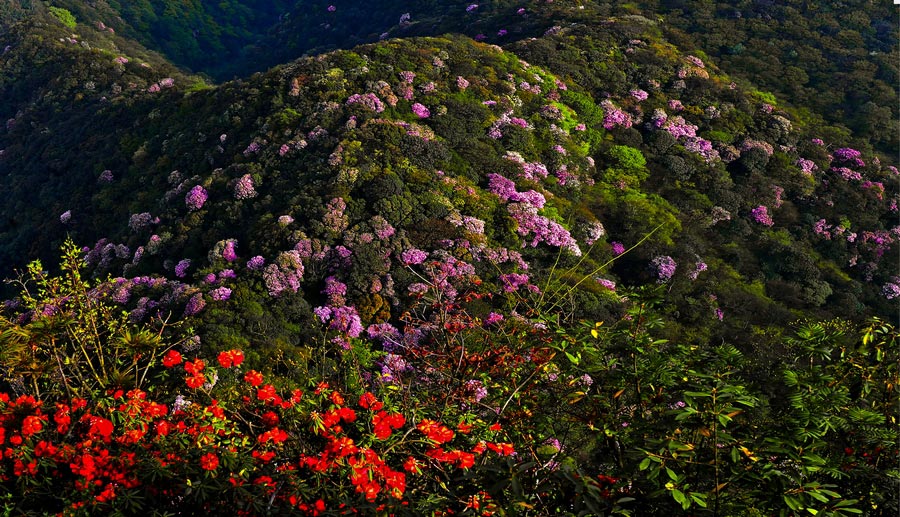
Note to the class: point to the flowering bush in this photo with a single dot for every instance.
(196, 198)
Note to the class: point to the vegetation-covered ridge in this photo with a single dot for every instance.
(432, 221)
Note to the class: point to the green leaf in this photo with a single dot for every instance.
(816, 495)
(671, 473)
(678, 495)
(645, 464)
(700, 499)
(792, 502)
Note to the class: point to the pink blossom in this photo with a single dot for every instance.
(420, 110)
(608, 284)
(195, 198)
(413, 256)
(181, 268)
(665, 268)
(220, 294)
(194, 305)
(256, 263)
(243, 187)
(229, 253)
(761, 215)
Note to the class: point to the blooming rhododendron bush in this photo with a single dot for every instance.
(99, 414)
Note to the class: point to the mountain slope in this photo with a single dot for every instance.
(474, 234)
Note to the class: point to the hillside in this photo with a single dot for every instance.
(587, 194)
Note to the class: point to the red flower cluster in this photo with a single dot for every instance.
(171, 359)
(194, 370)
(231, 358)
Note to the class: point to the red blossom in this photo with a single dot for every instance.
(195, 381)
(32, 425)
(368, 401)
(171, 358)
(253, 378)
(194, 367)
(209, 461)
(231, 358)
(435, 431)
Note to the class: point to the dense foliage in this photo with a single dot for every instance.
(405, 257)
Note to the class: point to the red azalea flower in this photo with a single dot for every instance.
(254, 378)
(195, 381)
(368, 401)
(31, 425)
(171, 359)
(231, 358)
(194, 367)
(209, 461)
(100, 427)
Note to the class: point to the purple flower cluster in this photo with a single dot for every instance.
(505, 189)
(806, 166)
(891, 290)
(513, 281)
(477, 389)
(749, 143)
(617, 248)
(545, 230)
(342, 319)
(609, 284)
(65, 217)
(335, 220)
(761, 215)
(493, 318)
(614, 116)
(251, 149)
(220, 294)
(593, 231)
(138, 222)
(284, 274)
(195, 198)
(256, 263)
(699, 267)
(369, 101)
(847, 174)
(228, 253)
(702, 147)
(848, 155)
(639, 94)
(335, 290)
(182, 267)
(420, 110)
(665, 268)
(779, 191)
(413, 256)
(194, 305)
(243, 187)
